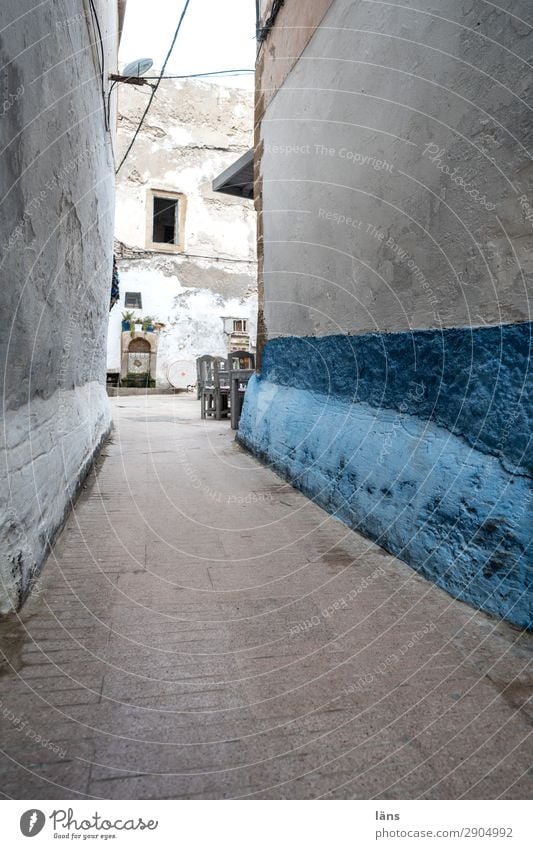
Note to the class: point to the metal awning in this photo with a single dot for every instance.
(238, 179)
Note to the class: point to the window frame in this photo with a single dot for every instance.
(131, 306)
(165, 247)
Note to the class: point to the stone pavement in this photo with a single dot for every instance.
(202, 630)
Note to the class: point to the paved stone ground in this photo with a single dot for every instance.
(202, 630)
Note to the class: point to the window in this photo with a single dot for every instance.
(133, 301)
(239, 325)
(165, 221)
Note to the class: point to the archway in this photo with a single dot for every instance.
(139, 355)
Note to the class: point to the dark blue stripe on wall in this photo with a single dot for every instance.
(417, 440)
(472, 381)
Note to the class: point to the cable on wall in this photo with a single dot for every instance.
(262, 31)
(230, 72)
(154, 87)
(126, 252)
(96, 22)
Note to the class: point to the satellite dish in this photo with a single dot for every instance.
(137, 68)
(182, 374)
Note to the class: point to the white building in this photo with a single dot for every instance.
(186, 254)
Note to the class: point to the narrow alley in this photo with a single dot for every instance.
(203, 630)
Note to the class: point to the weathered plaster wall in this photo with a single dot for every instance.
(192, 313)
(295, 24)
(195, 130)
(285, 41)
(393, 181)
(475, 385)
(424, 447)
(453, 513)
(347, 136)
(56, 239)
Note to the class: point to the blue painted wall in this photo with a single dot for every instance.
(419, 440)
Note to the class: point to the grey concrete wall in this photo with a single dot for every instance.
(56, 241)
(395, 171)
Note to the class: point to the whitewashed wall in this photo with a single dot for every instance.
(56, 243)
(392, 193)
(192, 315)
(195, 130)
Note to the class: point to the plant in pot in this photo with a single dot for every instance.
(127, 320)
(148, 324)
(136, 326)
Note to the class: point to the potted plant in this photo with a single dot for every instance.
(148, 324)
(127, 320)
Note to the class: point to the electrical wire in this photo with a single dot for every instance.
(235, 72)
(111, 87)
(155, 87)
(127, 253)
(102, 61)
(227, 73)
(262, 31)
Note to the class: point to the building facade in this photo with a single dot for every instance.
(186, 254)
(56, 236)
(393, 187)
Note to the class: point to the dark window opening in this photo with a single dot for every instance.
(133, 301)
(239, 325)
(166, 221)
